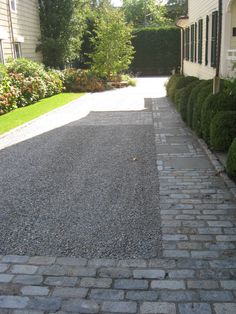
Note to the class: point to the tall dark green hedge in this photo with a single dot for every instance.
(157, 50)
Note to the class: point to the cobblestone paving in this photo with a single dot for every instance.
(197, 273)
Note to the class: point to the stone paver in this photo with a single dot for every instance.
(196, 273)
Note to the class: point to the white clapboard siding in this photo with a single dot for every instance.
(199, 9)
(26, 23)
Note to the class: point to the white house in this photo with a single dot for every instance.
(19, 29)
(209, 38)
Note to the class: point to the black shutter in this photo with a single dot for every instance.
(195, 43)
(187, 43)
(214, 39)
(207, 40)
(192, 43)
(200, 30)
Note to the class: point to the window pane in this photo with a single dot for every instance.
(13, 5)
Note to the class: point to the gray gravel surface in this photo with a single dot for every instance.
(81, 190)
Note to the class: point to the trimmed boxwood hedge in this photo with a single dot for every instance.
(212, 105)
(202, 95)
(223, 130)
(157, 50)
(231, 160)
(176, 83)
(192, 100)
(171, 85)
(183, 99)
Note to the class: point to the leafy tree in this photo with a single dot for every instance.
(62, 25)
(145, 12)
(113, 51)
(176, 8)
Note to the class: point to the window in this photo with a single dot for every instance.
(192, 43)
(207, 40)
(234, 31)
(13, 5)
(214, 39)
(200, 31)
(1, 53)
(17, 48)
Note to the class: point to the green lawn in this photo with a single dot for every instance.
(22, 115)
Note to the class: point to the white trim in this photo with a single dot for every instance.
(3, 34)
(19, 39)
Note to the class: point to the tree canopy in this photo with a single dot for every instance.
(176, 8)
(62, 26)
(145, 13)
(113, 50)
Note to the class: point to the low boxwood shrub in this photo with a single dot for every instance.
(178, 82)
(197, 109)
(212, 105)
(192, 100)
(231, 160)
(171, 85)
(183, 99)
(223, 130)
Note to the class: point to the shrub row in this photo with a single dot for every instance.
(212, 117)
(23, 82)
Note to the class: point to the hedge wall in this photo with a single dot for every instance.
(157, 51)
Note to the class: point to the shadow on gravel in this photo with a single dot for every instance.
(87, 189)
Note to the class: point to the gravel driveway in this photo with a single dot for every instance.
(87, 187)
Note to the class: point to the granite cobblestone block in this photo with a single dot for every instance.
(132, 284)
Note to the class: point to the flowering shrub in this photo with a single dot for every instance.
(26, 67)
(8, 95)
(24, 82)
(82, 81)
